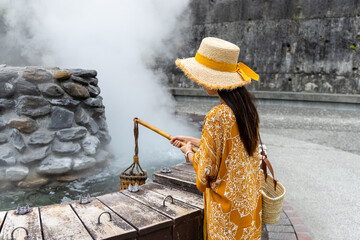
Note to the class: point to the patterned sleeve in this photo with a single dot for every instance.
(207, 159)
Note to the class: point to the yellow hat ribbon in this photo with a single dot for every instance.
(246, 72)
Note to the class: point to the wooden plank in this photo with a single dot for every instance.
(176, 178)
(142, 217)
(184, 196)
(2, 218)
(177, 211)
(187, 218)
(183, 175)
(30, 221)
(117, 228)
(60, 222)
(184, 166)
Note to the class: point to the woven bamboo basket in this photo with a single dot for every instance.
(127, 178)
(272, 201)
(131, 178)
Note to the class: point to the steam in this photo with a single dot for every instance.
(118, 39)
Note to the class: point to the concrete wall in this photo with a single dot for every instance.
(295, 46)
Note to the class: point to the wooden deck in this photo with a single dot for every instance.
(140, 215)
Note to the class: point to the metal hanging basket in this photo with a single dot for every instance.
(131, 177)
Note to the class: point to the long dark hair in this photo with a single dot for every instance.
(241, 103)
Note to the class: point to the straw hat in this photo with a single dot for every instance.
(215, 65)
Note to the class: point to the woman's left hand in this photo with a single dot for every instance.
(187, 147)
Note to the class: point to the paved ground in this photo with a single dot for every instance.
(316, 156)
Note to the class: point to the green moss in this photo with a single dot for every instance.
(353, 47)
(297, 17)
(298, 7)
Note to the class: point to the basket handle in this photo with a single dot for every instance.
(266, 164)
(135, 164)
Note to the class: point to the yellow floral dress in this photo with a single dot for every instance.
(229, 178)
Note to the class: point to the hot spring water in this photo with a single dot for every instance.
(104, 182)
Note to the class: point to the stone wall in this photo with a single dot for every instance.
(52, 123)
(295, 46)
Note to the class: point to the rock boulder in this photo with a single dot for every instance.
(52, 165)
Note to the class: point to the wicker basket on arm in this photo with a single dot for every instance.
(273, 192)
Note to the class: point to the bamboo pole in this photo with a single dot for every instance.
(159, 131)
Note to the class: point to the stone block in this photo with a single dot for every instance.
(24, 125)
(7, 156)
(90, 145)
(84, 73)
(282, 236)
(94, 91)
(51, 90)
(2, 124)
(32, 106)
(75, 90)
(93, 81)
(104, 137)
(41, 138)
(62, 75)
(83, 162)
(18, 140)
(26, 88)
(96, 112)
(92, 126)
(276, 228)
(94, 102)
(65, 147)
(81, 117)
(37, 75)
(69, 134)
(80, 80)
(32, 183)
(304, 236)
(16, 173)
(101, 122)
(35, 154)
(6, 103)
(54, 166)
(7, 75)
(65, 102)
(3, 138)
(61, 118)
(6, 89)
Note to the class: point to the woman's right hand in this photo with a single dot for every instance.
(176, 141)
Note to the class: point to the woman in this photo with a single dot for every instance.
(227, 163)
